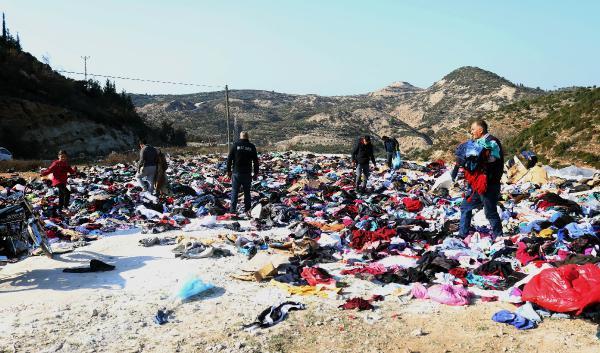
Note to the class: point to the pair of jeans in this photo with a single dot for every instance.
(146, 178)
(362, 169)
(489, 201)
(240, 180)
(64, 196)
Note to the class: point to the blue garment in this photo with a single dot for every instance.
(453, 244)
(578, 230)
(530, 227)
(481, 281)
(489, 201)
(491, 145)
(245, 181)
(518, 321)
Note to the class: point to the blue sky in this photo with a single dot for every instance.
(325, 47)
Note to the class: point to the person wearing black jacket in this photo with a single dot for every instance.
(391, 147)
(242, 159)
(361, 155)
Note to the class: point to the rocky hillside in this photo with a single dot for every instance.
(418, 117)
(42, 111)
(563, 127)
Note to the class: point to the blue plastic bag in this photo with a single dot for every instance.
(396, 160)
(193, 287)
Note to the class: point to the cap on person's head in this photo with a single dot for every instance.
(367, 138)
(244, 135)
(142, 141)
(63, 152)
(384, 137)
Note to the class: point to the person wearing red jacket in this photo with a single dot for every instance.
(60, 170)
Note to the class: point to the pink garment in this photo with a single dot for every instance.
(419, 291)
(449, 294)
(373, 268)
(347, 221)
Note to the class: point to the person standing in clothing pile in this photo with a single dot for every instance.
(391, 146)
(60, 170)
(487, 181)
(241, 162)
(146, 166)
(361, 155)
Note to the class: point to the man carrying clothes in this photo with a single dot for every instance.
(391, 147)
(361, 155)
(492, 167)
(146, 166)
(243, 158)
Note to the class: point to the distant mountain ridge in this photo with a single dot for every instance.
(417, 116)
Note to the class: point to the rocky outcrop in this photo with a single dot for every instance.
(41, 130)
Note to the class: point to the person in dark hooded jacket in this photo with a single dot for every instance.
(361, 156)
(241, 162)
(391, 146)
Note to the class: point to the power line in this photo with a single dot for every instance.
(139, 79)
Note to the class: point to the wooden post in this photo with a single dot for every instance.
(227, 117)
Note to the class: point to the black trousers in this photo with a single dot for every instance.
(64, 196)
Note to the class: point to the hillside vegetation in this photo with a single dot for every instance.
(41, 111)
(563, 127)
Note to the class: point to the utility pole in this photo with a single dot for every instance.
(227, 117)
(85, 58)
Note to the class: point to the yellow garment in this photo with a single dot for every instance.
(306, 290)
(536, 175)
(546, 233)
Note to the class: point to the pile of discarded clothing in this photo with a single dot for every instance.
(401, 235)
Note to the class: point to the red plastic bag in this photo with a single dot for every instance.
(570, 288)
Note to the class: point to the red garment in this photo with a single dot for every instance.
(458, 272)
(59, 170)
(317, 275)
(362, 237)
(569, 288)
(545, 204)
(522, 254)
(412, 205)
(477, 180)
(357, 303)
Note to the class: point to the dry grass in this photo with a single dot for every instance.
(18, 165)
(119, 157)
